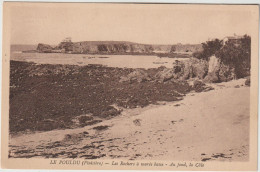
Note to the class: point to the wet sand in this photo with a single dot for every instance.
(203, 126)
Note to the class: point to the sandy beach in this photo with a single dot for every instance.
(204, 126)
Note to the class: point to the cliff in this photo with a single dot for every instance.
(117, 47)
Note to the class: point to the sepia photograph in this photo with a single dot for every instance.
(138, 86)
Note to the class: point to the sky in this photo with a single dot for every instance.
(33, 23)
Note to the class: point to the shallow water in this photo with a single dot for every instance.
(128, 61)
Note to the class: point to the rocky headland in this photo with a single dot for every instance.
(119, 47)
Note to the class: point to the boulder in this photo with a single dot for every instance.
(213, 70)
(200, 68)
(183, 70)
(187, 70)
(138, 75)
(218, 71)
(164, 75)
(211, 78)
(247, 82)
(214, 64)
(199, 86)
(195, 68)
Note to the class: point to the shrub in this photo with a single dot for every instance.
(237, 55)
(209, 49)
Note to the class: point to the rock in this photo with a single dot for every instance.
(199, 86)
(165, 75)
(187, 70)
(109, 112)
(218, 71)
(83, 119)
(195, 68)
(44, 48)
(214, 64)
(137, 122)
(247, 82)
(138, 75)
(183, 70)
(211, 78)
(101, 127)
(177, 68)
(200, 68)
(213, 70)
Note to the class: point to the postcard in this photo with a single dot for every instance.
(127, 86)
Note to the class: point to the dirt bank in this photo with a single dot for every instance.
(204, 126)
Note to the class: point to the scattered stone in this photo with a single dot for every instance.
(173, 122)
(199, 86)
(206, 159)
(138, 75)
(101, 127)
(137, 122)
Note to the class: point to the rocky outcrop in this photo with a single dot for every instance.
(44, 48)
(116, 47)
(218, 72)
(138, 75)
(195, 68)
(65, 46)
(181, 70)
(165, 74)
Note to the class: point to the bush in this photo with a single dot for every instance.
(237, 55)
(209, 49)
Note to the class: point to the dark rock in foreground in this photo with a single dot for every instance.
(248, 82)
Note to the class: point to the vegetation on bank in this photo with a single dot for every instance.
(236, 54)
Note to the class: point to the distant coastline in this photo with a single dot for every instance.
(112, 48)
